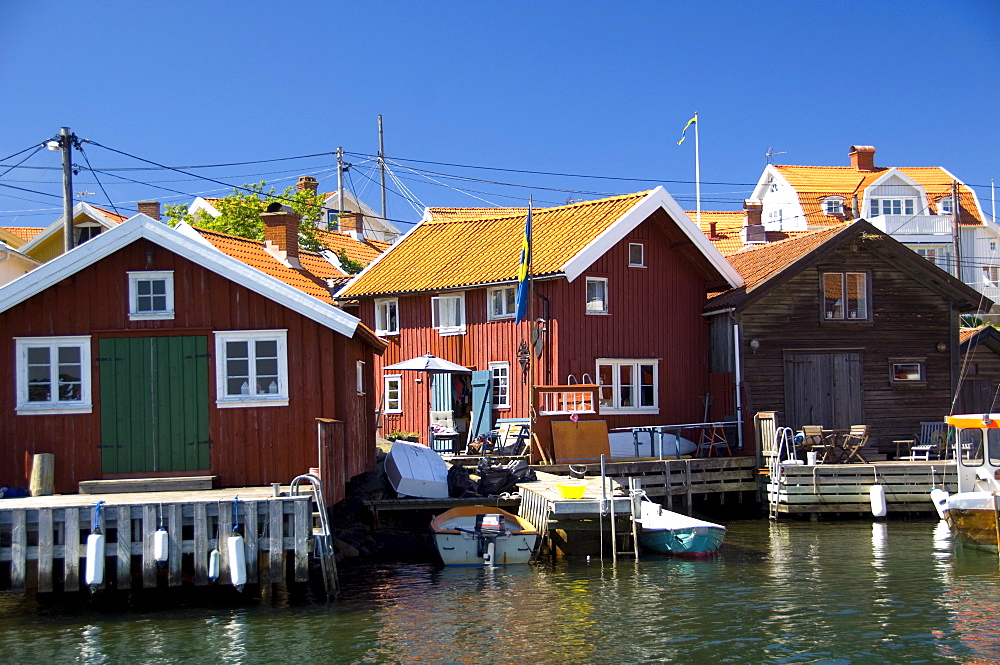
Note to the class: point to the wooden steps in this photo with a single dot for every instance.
(122, 485)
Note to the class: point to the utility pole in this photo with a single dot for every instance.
(340, 186)
(955, 229)
(66, 141)
(381, 162)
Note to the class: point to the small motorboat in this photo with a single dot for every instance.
(666, 532)
(971, 512)
(413, 469)
(482, 535)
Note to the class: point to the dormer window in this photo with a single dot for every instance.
(833, 205)
(892, 207)
(86, 231)
(333, 220)
(946, 206)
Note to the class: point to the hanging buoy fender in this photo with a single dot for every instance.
(877, 493)
(237, 561)
(93, 574)
(213, 564)
(939, 498)
(161, 545)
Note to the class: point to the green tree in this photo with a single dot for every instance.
(239, 213)
(349, 265)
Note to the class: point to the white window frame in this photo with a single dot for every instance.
(455, 325)
(907, 370)
(897, 205)
(632, 263)
(844, 313)
(506, 298)
(500, 384)
(383, 325)
(134, 278)
(360, 376)
(991, 276)
(226, 401)
(393, 383)
(616, 389)
(946, 206)
(833, 205)
(23, 406)
(595, 305)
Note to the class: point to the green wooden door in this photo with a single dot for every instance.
(154, 404)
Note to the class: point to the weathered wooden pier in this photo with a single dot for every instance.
(846, 488)
(43, 539)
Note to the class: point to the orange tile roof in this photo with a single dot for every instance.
(113, 216)
(363, 251)
(815, 183)
(728, 238)
(24, 232)
(450, 250)
(965, 333)
(757, 264)
(310, 279)
(466, 214)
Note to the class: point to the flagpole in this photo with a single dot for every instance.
(531, 327)
(697, 172)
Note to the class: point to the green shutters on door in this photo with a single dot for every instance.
(154, 404)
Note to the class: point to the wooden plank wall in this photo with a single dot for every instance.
(908, 321)
(44, 548)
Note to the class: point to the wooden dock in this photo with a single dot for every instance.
(43, 539)
(845, 488)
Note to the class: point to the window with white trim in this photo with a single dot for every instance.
(628, 385)
(53, 375)
(833, 205)
(906, 370)
(151, 295)
(597, 295)
(251, 368)
(387, 316)
(500, 381)
(393, 390)
(333, 220)
(636, 255)
(892, 207)
(845, 296)
(360, 376)
(448, 314)
(501, 302)
(945, 206)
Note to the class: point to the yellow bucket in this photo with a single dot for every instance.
(571, 490)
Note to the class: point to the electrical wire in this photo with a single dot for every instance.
(22, 161)
(87, 159)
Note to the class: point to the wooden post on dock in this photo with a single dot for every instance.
(43, 471)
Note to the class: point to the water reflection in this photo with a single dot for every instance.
(792, 591)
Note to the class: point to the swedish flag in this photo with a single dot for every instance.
(684, 131)
(523, 270)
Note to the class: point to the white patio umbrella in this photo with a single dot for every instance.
(428, 363)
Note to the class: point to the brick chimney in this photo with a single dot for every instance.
(862, 157)
(755, 226)
(307, 182)
(712, 231)
(150, 209)
(353, 224)
(281, 235)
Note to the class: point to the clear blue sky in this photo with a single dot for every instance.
(579, 87)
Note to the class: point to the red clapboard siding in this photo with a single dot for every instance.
(251, 446)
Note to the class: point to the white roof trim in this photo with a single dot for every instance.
(330, 201)
(658, 198)
(201, 253)
(364, 271)
(82, 208)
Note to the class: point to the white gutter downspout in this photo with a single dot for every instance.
(737, 376)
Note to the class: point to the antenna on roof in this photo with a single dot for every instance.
(85, 193)
(770, 153)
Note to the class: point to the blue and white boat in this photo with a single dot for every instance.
(666, 532)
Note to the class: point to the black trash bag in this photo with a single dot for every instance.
(460, 484)
(496, 479)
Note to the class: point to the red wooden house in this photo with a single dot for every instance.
(146, 352)
(618, 289)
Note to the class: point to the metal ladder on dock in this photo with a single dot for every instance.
(321, 536)
(784, 448)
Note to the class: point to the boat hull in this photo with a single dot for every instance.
(415, 470)
(666, 532)
(461, 540)
(972, 519)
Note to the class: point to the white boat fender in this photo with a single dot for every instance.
(94, 571)
(877, 493)
(939, 498)
(237, 552)
(161, 545)
(213, 564)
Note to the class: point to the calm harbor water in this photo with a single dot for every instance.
(790, 592)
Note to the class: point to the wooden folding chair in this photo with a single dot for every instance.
(854, 441)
